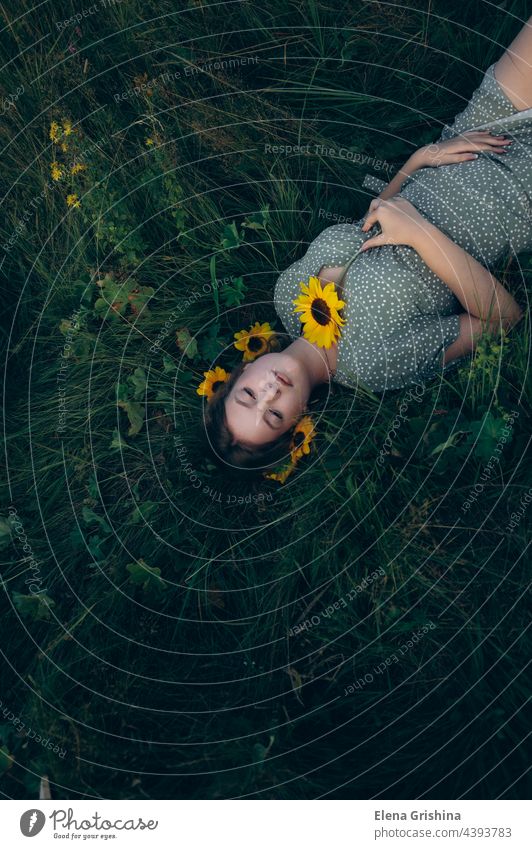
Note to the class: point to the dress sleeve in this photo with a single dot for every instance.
(412, 353)
(333, 247)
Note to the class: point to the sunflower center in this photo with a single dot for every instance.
(216, 385)
(255, 343)
(299, 438)
(320, 311)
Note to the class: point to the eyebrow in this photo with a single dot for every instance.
(248, 406)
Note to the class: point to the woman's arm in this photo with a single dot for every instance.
(479, 292)
(471, 329)
(394, 186)
(459, 149)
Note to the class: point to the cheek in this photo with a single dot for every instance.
(293, 407)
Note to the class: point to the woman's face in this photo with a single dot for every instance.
(267, 399)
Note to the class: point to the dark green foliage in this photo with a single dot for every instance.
(165, 654)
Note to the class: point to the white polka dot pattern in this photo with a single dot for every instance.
(399, 315)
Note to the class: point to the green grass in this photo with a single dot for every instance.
(183, 681)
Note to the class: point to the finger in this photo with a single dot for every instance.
(374, 242)
(375, 203)
(495, 141)
(493, 147)
(484, 137)
(371, 219)
(453, 158)
(482, 134)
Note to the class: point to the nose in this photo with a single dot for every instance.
(268, 391)
(271, 389)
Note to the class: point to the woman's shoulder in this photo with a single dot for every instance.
(334, 246)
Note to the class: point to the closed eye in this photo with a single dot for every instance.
(275, 413)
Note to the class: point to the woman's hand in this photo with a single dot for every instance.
(459, 149)
(399, 220)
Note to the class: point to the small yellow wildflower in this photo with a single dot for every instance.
(72, 200)
(149, 142)
(64, 147)
(78, 167)
(56, 171)
(67, 127)
(55, 131)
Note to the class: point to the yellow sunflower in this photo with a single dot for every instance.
(213, 379)
(255, 341)
(303, 435)
(319, 308)
(282, 474)
(72, 200)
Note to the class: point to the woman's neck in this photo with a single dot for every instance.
(318, 362)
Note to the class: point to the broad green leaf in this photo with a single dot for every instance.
(211, 345)
(258, 220)
(142, 512)
(234, 293)
(139, 297)
(94, 546)
(138, 383)
(186, 343)
(117, 443)
(123, 392)
(36, 606)
(109, 310)
(449, 443)
(231, 237)
(487, 432)
(93, 488)
(76, 540)
(148, 577)
(169, 365)
(135, 414)
(92, 518)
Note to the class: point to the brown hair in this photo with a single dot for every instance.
(236, 458)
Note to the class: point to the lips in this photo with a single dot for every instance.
(282, 378)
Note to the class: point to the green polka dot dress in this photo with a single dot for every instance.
(400, 316)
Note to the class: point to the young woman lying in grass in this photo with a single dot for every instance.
(385, 309)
